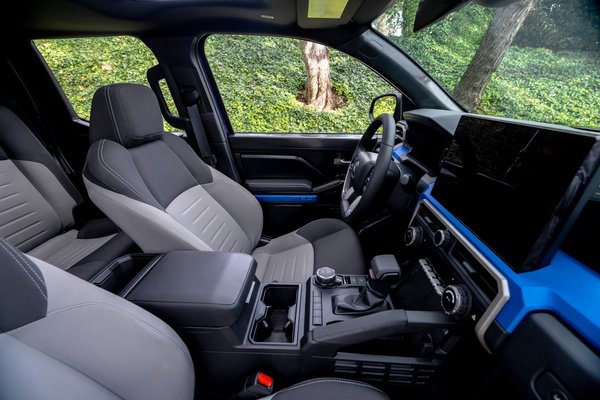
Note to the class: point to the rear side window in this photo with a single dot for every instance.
(82, 65)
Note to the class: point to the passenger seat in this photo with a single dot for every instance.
(37, 200)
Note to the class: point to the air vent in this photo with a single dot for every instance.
(411, 372)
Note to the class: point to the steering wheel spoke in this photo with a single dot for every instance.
(367, 170)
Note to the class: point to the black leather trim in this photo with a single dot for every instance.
(19, 143)
(23, 295)
(331, 389)
(125, 113)
(192, 288)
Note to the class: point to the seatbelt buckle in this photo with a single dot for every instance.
(257, 385)
(210, 160)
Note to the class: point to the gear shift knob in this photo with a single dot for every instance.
(384, 272)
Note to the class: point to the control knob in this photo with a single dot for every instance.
(456, 301)
(325, 276)
(441, 238)
(413, 236)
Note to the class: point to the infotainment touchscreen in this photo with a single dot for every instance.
(508, 182)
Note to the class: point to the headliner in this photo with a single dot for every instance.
(67, 18)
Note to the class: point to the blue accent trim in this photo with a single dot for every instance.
(286, 198)
(566, 287)
(400, 151)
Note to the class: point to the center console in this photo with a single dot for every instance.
(341, 325)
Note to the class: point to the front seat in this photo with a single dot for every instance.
(63, 338)
(156, 189)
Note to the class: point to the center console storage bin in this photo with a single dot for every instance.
(195, 289)
(121, 271)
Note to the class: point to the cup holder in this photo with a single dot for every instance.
(275, 317)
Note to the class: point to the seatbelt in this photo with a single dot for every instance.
(191, 98)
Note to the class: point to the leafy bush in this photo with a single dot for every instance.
(537, 84)
(81, 66)
(260, 77)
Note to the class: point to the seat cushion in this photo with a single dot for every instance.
(85, 252)
(331, 389)
(83, 342)
(294, 257)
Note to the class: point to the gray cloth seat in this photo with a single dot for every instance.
(37, 200)
(64, 338)
(155, 187)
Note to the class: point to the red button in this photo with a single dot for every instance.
(264, 380)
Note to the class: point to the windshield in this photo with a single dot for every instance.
(535, 60)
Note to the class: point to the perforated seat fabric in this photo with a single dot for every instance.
(37, 200)
(160, 193)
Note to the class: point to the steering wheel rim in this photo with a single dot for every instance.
(356, 202)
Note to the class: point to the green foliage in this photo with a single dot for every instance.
(537, 84)
(260, 77)
(562, 26)
(83, 65)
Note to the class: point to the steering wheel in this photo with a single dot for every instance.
(367, 171)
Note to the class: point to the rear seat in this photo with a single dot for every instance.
(36, 207)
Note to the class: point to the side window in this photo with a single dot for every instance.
(266, 87)
(82, 65)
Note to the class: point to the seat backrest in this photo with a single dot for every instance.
(155, 187)
(63, 338)
(36, 197)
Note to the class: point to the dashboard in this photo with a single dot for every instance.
(473, 248)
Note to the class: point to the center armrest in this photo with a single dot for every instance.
(195, 289)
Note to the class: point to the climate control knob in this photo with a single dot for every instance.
(413, 236)
(441, 238)
(456, 301)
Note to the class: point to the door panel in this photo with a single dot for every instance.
(296, 177)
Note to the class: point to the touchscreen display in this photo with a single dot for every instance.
(504, 181)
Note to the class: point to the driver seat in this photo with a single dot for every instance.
(158, 191)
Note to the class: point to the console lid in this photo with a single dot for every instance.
(195, 289)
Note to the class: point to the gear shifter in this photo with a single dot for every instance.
(383, 274)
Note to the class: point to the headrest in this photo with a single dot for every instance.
(23, 296)
(125, 113)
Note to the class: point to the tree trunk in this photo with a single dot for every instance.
(493, 47)
(317, 91)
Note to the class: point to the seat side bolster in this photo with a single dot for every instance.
(151, 228)
(239, 203)
(111, 166)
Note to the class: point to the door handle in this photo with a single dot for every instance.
(338, 160)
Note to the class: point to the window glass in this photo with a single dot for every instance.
(533, 60)
(82, 65)
(262, 81)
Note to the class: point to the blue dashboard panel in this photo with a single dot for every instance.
(286, 198)
(566, 287)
